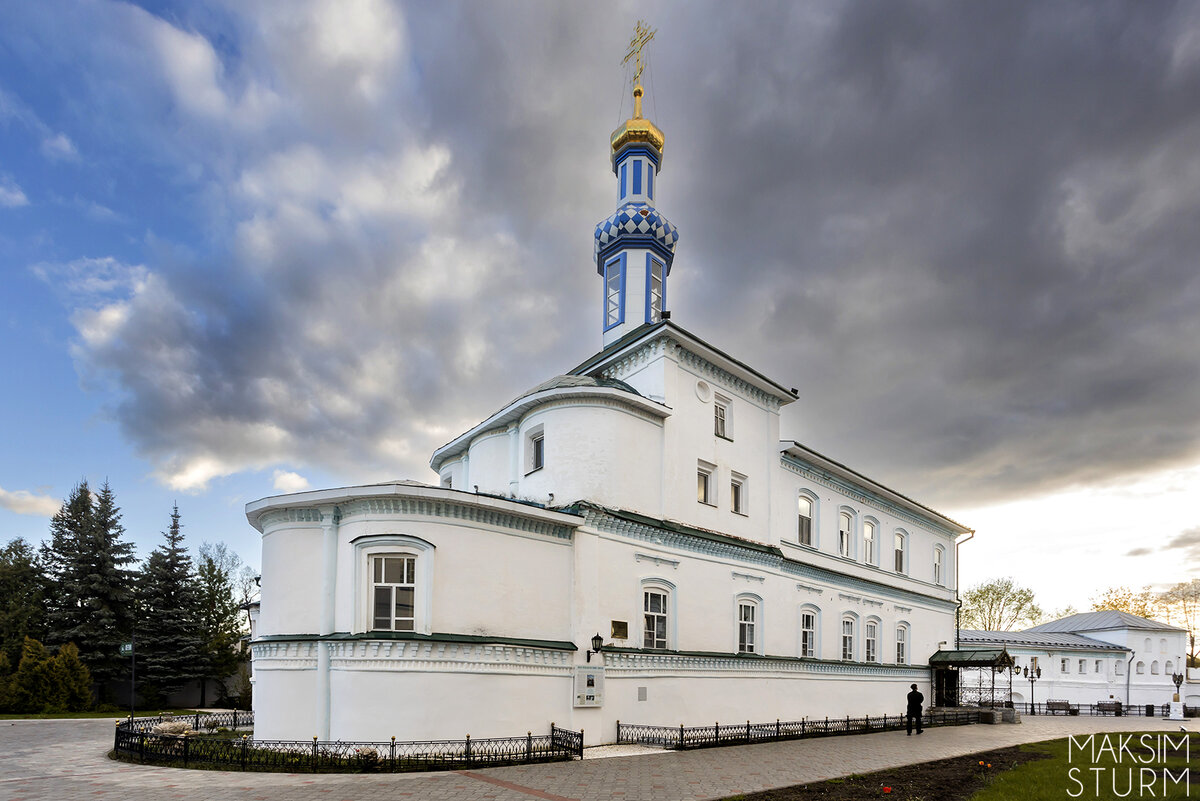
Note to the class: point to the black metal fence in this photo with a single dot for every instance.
(1104, 708)
(135, 742)
(684, 737)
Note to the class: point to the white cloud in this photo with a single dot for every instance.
(11, 195)
(59, 147)
(24, 502)
(89, 279)
(286, 481)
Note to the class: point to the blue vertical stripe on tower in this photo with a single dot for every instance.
(637, 176)
(623, 170)
(650, 181)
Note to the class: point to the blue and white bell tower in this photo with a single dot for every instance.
(636, 245)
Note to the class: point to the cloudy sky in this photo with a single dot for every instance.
(251, 247)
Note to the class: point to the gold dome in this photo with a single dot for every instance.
(637, 128)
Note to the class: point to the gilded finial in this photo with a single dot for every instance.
(641, 37)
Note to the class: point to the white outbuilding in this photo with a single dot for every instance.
(645, 500)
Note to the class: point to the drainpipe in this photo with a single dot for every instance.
(1129, 675)
(329, 524)
(957, 599)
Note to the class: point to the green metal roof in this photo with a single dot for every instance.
(972, 657)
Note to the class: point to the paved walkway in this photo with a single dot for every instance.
(66, 760)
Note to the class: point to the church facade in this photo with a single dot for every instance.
(644, 502)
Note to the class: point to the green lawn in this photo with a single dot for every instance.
(1102, 769)
(141, 713)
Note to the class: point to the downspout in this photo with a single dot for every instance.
(957, 598)
(1129, 674)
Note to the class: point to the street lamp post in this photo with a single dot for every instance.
(1033, 676)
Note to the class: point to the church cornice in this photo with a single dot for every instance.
(639, 661)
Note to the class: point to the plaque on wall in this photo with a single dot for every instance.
(589, 686)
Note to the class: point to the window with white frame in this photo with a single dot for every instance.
(869, 542)
(393, 592)
(902, 645)
(847, 638)
(704, 483)
(1033, 664)
(656, 608)
(1148, 646)
(747, 626)
(722, 417)
(808, 632)
(1082, 666)
(898, 551)
(804, 520)
(1162, 646)
(1169, 669)
(939, 558)
(614, 292)
(654, 297)
(1119, 667)
(1064, 665)
(535, 449)
(871, 641)
(737, 493)
(1098, 667)
(845, 530)
(1140, 668)
(1154, 668)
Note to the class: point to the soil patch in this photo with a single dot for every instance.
(953, 779)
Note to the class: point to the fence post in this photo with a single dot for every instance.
(717, 733)
(826, 724)
(619, 740)
(314, 754)
(884, 722)
(245, 739)
(776, 728)
(197, 726)
(581, 742)
(529, 746)
(803, 727)
(142, 746)
(747, 731)
(867, 723)
(235, 718)
(185, 751)
(392, 755)
(680, 736)
(468, 751)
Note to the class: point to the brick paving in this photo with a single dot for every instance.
(57, 759)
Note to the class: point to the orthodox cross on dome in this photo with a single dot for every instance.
(641, 37)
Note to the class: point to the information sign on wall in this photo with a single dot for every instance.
(589, 686)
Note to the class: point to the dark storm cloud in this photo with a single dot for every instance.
(965, 232)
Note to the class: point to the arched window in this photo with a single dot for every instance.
(658, 623)
(871, 640)
(939, 560)
(1162, 645)
(870, 543)
(393, 575)
(810, 631)
(749, 620)
(898, 547)
(1169, 668)
(848, 636)
(845, 532)
(1154, 668)
(902, 644)
(1148, 646)
(806, 508)
(1119, 667)
(1140, 668)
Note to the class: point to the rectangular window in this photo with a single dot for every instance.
(899, 546)
(654, 603)
(869, 542)
(1119, 667)
(804, 520)
(1033, 664)
(637, 176)
(539, 451)
(654, 297)
(704, 475)
(393, 584)
(870, 641)
(737, 494)
(1099, 668)
(901, 643)
(746, 628)
(808, 634)
(614, 291)
(845, 522)
(721, 418)
(1065, 665)
(847, 639)
(1083, 666)
(937, 565)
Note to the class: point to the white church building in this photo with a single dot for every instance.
(645, 496)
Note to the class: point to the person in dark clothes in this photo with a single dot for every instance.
(915, 699)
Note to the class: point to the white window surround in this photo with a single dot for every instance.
(722, 417)
(813, 508)
(371, 545)
(1064, 665)
(871, 639)
(739, 499)
(1148, 646)
(848, 637)
(1169, 668)
(754, 602)
(902, 638)
(1162, 646)
(667, 588)
(870, 540)
(1141, 668)
(899, 552)
(939, 565)
(1082, 666)
(706, 476)
(846, 525)
(815, 631)
(535, 448)
(1154, 668)
(1119, 667)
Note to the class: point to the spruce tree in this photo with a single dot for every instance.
(168, 633)
(65, 559)
(110, 593)
(22, 598)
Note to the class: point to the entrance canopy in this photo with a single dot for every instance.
(972, 657)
